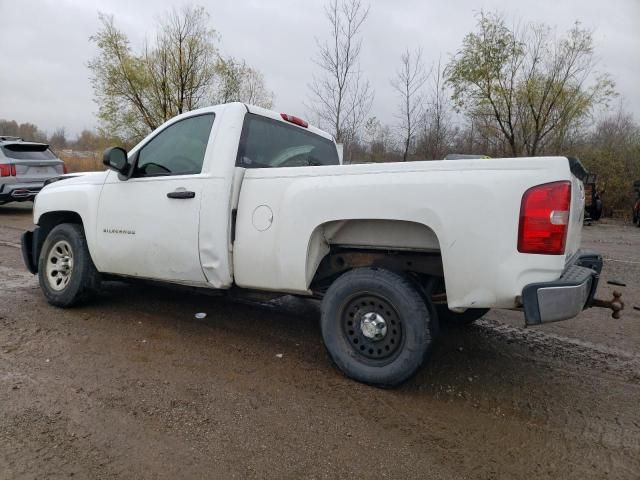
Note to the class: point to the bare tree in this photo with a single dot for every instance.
(118, 83)
(58, 139)
(254, 90)
(340, 97)
(87, 140)
(238, 82)
(437, 125)
(611, 150)
(26, 131)
(379, 141)
(137, 93)
(179, 71)
(180, 65)
(560, 86)
(408, 83)
(189, 41)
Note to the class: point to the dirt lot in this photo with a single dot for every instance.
(133, 386)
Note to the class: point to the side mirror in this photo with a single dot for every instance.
(115, 158)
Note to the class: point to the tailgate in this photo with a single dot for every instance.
(576, 217)
(33, 161)
(36, 169)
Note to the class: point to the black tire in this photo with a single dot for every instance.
(457, 320)
(597, 209)
(367, 295)
(69, 285)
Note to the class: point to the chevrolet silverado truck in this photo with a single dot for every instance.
(248, 201)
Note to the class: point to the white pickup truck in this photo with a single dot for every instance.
(247, 200)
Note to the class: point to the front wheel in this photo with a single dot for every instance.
(376, 326)
(66, 272)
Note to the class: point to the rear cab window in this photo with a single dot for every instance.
(28, 151)
(269, 143)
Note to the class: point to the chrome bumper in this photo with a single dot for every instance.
(24, 193)
(20, 191)
(566, 297)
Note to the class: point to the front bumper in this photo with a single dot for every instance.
(566, 297)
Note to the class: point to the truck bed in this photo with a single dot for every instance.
(469, 207)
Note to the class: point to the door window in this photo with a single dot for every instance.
(177, 150)
(270, 143)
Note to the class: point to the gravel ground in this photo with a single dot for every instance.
(133, 386)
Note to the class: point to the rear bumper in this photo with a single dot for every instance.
(566, 297)
(19, 192)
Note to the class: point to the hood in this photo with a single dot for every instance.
(78, 178)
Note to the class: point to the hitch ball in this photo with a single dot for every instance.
(615, 304)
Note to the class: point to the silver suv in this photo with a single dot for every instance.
(24, 167)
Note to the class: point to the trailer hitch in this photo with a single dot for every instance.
(615, 304)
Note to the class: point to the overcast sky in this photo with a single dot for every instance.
(45, 47)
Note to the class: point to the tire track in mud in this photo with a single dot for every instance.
(569, 349)
(6, 243)
(12, 278)
(539, 343)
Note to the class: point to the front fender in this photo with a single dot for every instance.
(65, 201)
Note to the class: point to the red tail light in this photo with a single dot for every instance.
(13, 170)
(64, 168)
(5, 170)
(295, 120)
(544, 218)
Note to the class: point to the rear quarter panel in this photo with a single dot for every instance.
(472, 206)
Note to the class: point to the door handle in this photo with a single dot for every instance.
(181, 194)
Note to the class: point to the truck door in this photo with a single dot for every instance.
(148, 225)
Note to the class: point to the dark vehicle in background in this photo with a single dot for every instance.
(636, 205)
(24, 167)
(592, 198)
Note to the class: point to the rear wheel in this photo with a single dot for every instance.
(376, 326)
(66, 272)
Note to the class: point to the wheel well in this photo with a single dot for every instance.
(48, 221)
(421, 265)
(380, 233)
(402, 246)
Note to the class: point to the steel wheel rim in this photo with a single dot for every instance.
(380, 342)
(59, 265)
